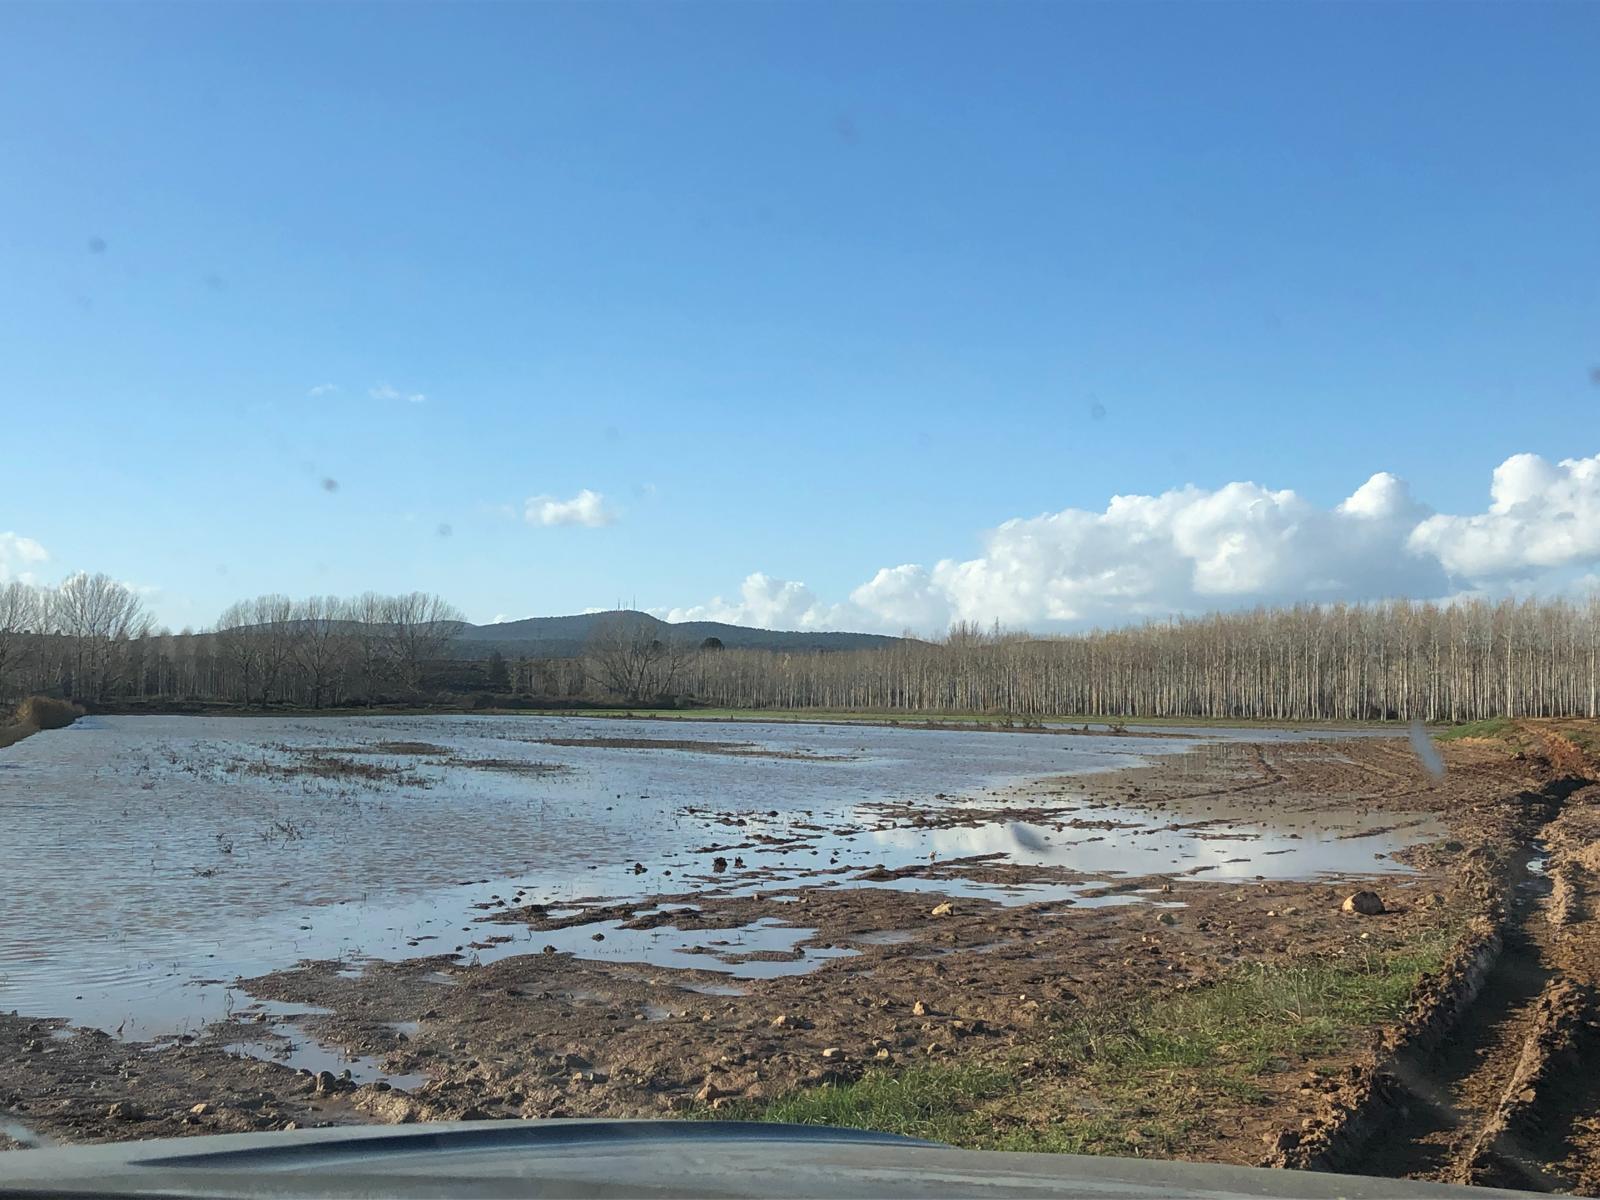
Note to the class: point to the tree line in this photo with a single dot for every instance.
(1397, 660)
(92, 639)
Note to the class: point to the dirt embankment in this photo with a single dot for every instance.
(880, 981)
(1484, 1081)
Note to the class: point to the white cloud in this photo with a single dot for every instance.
(586, 508)
(768, 603)
(322, 389)
(1193, 549)
(18, 555)
(384, 391)
(1540, 516)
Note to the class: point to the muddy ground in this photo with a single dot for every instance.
(1473, 1083)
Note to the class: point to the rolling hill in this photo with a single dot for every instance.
(565, 637)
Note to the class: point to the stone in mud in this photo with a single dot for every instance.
(833, 1052)
(942, 910)
(549, 949)
(919, 1009)
(719, 864)
(597, 937)
(1368, 904)
(125, 1110)
(201, 1109)
(708, 1093)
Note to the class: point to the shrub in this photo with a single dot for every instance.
(46, 712)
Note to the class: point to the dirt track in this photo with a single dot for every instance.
(1477, 1083)
(1490, 1080)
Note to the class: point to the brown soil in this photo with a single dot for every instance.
(1474, 1083)
(1484, 1082)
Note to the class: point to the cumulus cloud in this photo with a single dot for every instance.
(18, 556)
(322, 389)
(384, 391)
(769, 603)
(1540, 516)
(1194, 549)
(588, 508)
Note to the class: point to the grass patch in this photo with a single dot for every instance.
(1142, 1077)
(928, 1102)
(1252, 1022)
(36, 713)
(46, 712)
(975, 1107)
(1493, 728)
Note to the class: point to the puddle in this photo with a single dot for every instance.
(886, 937)
(301, 1051)
(154, 860)
(1233, 841)
(727, 951)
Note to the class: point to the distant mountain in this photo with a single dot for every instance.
(565, 637)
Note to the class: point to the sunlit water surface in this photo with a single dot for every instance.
(151, 861)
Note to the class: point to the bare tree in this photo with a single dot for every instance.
(627, 656)
(239, 647)
(323, 646)
(368, 615)
(97, 618)
(272, 624)
(22, 613)
(417, 628)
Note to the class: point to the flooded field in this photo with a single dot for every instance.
(152, 861)
(252, 923)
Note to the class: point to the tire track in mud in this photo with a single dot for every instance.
(1445, 1095)
(1488, 1081)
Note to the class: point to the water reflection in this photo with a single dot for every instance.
(151, 861)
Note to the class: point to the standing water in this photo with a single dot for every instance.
(151, 861)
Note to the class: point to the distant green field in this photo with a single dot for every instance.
(1494, 727)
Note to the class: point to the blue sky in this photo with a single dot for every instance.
(802, 292)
